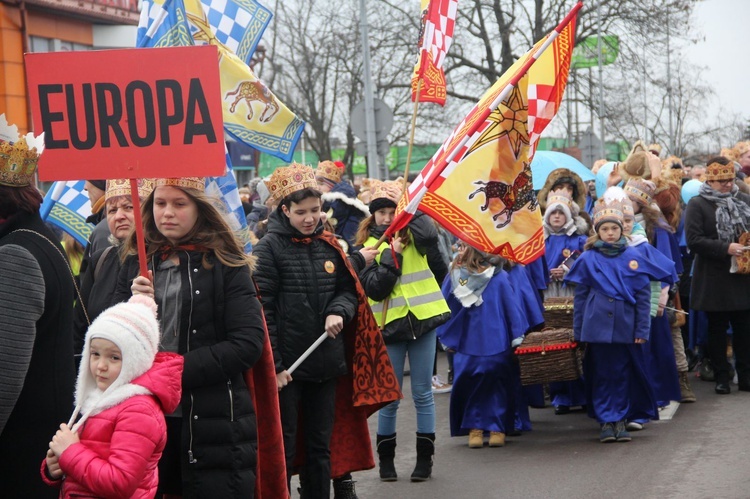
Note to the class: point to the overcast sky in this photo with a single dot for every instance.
(725, 25)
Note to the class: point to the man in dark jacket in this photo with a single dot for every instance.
(306, 290)
(36, 340)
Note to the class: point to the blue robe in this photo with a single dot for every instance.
(485, 372)
(611, 309)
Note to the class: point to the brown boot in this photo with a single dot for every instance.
(476, 439)
(686, 392)
(497, 439)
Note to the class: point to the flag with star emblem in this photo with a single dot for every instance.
(478, 183)
(438, 23)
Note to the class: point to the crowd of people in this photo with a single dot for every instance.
(188, 378)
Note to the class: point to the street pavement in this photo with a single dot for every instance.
(701, 452)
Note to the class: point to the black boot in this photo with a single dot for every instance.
(343, 488)
(425, 451)
(386, 452)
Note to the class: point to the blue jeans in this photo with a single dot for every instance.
(421, 357)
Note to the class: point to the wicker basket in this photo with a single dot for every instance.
(548, 356)
(558, 312)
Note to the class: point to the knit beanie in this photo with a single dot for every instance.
(384, 194)
(133, 327)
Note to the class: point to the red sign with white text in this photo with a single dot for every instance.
(131, 113)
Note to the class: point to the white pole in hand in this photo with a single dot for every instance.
(307, 353)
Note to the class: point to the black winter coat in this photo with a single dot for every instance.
(380, 279)
(46, 399)
(713, 288)
(302, 280)
(221, 336)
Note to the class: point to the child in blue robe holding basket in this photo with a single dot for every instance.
(487, 320)
(612, 317)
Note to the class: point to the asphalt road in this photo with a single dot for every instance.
(702, 452)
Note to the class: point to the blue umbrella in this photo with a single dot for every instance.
(545, 162)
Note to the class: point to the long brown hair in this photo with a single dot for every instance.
(474, 260)
(652, 218)
(363, 231)
(210, 231)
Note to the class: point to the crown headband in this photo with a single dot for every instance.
(197, 183)
(717, 171)
(289, 179)
(19, 155)
(121, 187)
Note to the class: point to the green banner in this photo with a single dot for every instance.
(586, 52)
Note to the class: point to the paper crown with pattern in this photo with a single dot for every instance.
(389, 189)
(289, 179)
(121, 187)
(717, 171)
(19, 155)
(330, 171)
(197, 183)
(640, 191)
(607, 212)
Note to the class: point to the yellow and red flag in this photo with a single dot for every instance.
(478, 184)
(438, 23)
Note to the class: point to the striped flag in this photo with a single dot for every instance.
(67, 206)
(163, 23)
(238, 24)
(478, 184)
(438, 23)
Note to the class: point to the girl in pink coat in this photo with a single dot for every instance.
(124, 388)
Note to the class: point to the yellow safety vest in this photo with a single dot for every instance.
(416, 290)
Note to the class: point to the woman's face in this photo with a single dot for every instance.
(384, 216)
(744, 160)
(120, 216)
(722, 186)
(557, 219)
(305, 215)
(175, 213)
(609, 232)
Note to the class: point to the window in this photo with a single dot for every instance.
(41, 44)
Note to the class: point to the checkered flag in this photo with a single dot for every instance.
(225, 188)
(438, 23)
(163, 23)
(67, 206)
(238, 24)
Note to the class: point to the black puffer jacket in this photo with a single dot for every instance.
(380, 279)
(221, 336)
(302, 280)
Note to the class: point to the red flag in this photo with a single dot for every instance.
(438, 23)
(478, 184)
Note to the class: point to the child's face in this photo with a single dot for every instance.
(557, 219)
(609, 232)
(305, 215)
(105, 362)
(175, 213)
(384, 216)
(627, 225)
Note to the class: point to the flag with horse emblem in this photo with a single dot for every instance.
(478, 184)
(438, 22)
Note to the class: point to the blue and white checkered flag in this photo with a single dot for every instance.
(226, 189)
(163, 24)
(238, 24)
(67, 206)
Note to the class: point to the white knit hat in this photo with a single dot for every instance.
(133, 327)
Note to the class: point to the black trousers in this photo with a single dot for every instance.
(312, 404)
(718, 323)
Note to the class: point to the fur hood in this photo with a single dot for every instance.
(329, 197)
(556, 175)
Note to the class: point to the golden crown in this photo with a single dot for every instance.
(19, 156)
(121, 187)
(389, 189)
(640, 191)
(289, 179)
(197, 183)
(717, 171)
(607, 212)
(329, 170)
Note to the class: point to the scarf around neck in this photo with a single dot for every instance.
(732, 214)
(612, 249)
(468, 286)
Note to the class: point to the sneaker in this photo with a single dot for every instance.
(440, 386)
(633, 426)
(476, 439)
(607, 434)
(621, 434)
(497, 439)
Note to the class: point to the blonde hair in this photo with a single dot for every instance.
(210, 231)
(363, 231)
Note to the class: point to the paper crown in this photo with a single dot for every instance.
(19, 156)
(121, 187)
(640, 191)
(717, 171)
(330, 171)
(197, 183)
(389, 189)
(607, 212)
(289, 179)
(559, 197)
